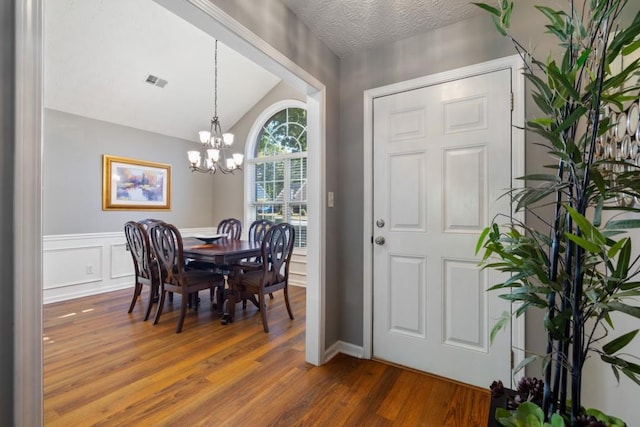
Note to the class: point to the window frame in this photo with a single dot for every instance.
(250, 147)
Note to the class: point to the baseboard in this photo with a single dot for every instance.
(344, 348)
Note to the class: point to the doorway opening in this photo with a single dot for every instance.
(28, 384)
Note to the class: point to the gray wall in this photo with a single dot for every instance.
(72, 175)
(232, 186)
(461, 44)
(7, 135)
(279, 27)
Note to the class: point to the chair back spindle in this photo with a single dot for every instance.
(232, 227)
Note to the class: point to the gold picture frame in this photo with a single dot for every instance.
(135, 185)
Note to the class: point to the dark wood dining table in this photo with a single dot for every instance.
(224, 253)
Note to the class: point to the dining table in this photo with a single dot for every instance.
(224, 253)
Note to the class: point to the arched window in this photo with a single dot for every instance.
(276, 167)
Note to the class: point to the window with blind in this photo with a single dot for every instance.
(277, 168)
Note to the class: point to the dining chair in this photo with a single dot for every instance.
(146, 224)
(167, 243)
(276, 250)
(257, 230)
(232, 227)
(147, 271)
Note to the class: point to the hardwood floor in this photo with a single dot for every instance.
(104, 367)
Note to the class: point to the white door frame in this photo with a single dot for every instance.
(29, 105)
(517, 169)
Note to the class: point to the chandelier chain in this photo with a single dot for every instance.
(215, 81)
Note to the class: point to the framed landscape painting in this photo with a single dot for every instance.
(130, 184)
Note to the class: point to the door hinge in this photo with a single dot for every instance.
(511, 101)
(513, 358)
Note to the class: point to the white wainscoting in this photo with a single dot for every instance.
(78, 265)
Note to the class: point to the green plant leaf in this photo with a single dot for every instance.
(619, 343)
(624, 308)
(523, 363)
(583, 243)
(586, 227)
(505, 418)
(613, 250)
(622, 224)
(480, 241)
(572, 119)
(490, 9)
(500, 324)
(622, 267)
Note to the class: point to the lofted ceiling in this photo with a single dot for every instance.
(99, 53)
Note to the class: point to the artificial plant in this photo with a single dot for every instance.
(579, 267)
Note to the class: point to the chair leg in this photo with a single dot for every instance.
(183, 313)
(153, 296)
(159, 308)
(263, 312)
(136, 293)
(286, 301)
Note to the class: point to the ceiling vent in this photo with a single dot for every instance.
(156, 81)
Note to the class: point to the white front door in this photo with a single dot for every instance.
(442, 159)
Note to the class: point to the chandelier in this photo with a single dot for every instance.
(214, 154)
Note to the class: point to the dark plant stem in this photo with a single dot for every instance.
(548, 406)
(563, 346)
(576, 350)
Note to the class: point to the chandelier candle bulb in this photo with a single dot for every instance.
(205, 136)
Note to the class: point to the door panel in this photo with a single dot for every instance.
(464, 193)
(464, 293)
(442, 158)
(406, 210)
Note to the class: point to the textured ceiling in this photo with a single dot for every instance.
(347, 26)
(98, 54)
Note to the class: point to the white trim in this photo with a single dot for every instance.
(27, 335)
(344, 348)
(252, 139)
(185, 232)
(316, 228)
(518, 166)
(514, 63)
